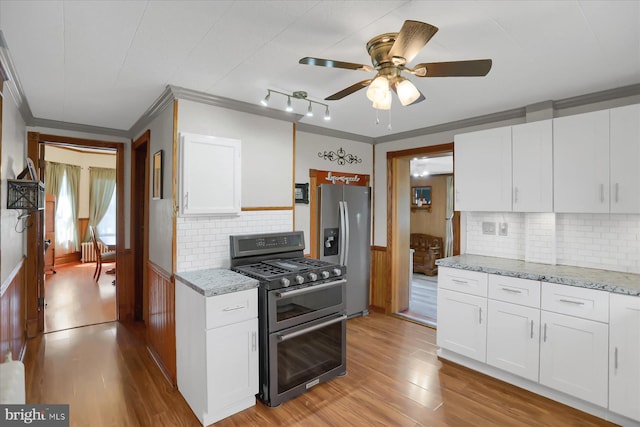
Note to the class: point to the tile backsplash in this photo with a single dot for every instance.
(603, 241)
(203, 242)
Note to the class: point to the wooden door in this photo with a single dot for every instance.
(50, 233)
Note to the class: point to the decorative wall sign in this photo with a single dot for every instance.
(329, 177)
(340, 156)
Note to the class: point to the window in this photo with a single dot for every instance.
(65, 223)
(107, 226)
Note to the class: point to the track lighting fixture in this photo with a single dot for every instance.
(297, 95)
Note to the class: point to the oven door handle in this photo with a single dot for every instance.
(285, 337)
(308, 289)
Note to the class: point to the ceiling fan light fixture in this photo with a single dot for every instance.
(378, 89)
(407, 92)
(265, 101)
(384, 103)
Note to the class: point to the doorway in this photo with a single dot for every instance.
(35, 265)
(419, 209)
(140, 217)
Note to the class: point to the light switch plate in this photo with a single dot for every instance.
(489, 228)
(503, 230)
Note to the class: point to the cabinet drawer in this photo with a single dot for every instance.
(231, 308)
(579, 302)
(513, 289)
(469, 282)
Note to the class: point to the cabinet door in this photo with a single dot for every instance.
(532, 146)
(625, 159)
(483, 170)
(232, 364)
(624, 356)
(581, 163)
(210, 175)
(462, 323)
(574, 356)
(513, 339)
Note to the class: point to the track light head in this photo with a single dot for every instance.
(265, 101)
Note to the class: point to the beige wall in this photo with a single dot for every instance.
(423, 221)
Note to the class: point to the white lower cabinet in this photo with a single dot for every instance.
(462, 323)
(624, 356)
(513, 338)
(216, 351)
(574, 356)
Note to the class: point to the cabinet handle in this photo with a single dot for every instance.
(253, 341)
(515, 194)
(531, 334)
(480, 315)
(515, 291)
(544, 339)
(460, 282)
(617, 191)
(237, 307)
(568, 301)
(186, 200)
(601, 193)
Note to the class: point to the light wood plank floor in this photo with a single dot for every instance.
(394, 379)
(74, 299)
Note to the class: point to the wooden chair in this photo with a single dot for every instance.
(100, 257)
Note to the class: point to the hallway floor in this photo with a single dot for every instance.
(74, 299)
(423, 300)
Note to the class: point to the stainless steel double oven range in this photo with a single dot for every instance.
(301, 312)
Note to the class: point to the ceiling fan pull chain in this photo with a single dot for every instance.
(389, 125)
(377, 118)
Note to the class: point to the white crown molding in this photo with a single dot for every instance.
(319, 130)
(78, 127)
(12, 82)
(165, 99)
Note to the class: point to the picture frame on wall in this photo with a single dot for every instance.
(157, 176)
(302, 193)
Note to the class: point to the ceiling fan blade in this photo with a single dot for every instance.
(334, 64)
(348, 91)
(476, 67)
(419, 99)
(412, 37)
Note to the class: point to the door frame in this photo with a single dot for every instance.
(140, 147)
(36, 143)
(395, 217)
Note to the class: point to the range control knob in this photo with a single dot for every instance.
(325, 274)
(299, 280)
(337, 271)
(313, 277)
(285, 282)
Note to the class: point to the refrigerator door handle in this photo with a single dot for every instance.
(342, 233)
(347, 236)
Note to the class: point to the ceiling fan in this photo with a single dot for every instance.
(390, 52)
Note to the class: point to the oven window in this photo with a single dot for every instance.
(305, 357)
(290, 307)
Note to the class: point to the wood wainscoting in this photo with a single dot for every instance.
(12, 314)
(161, 326)
(379, 278)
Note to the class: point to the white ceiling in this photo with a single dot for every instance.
(103, 63)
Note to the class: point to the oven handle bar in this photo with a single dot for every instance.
(285, 337)
(308, 289)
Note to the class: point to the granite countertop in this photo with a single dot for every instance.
(216, 281)
(605, 280)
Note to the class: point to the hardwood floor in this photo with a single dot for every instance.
(423, 300)
(394, 378)
(74, 299)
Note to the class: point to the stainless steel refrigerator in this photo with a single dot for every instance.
(344, 236)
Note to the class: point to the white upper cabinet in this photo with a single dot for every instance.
(532, 146)
(209, 175)
(581, 163)
(625, 159)
(482, 170)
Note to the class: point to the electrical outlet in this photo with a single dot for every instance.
(489, 228)
(504, 229)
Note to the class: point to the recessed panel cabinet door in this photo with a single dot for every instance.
(624, 356)
(625, 159)
(532, 145)
(462, 323)
(210, 175)
(574, 357)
